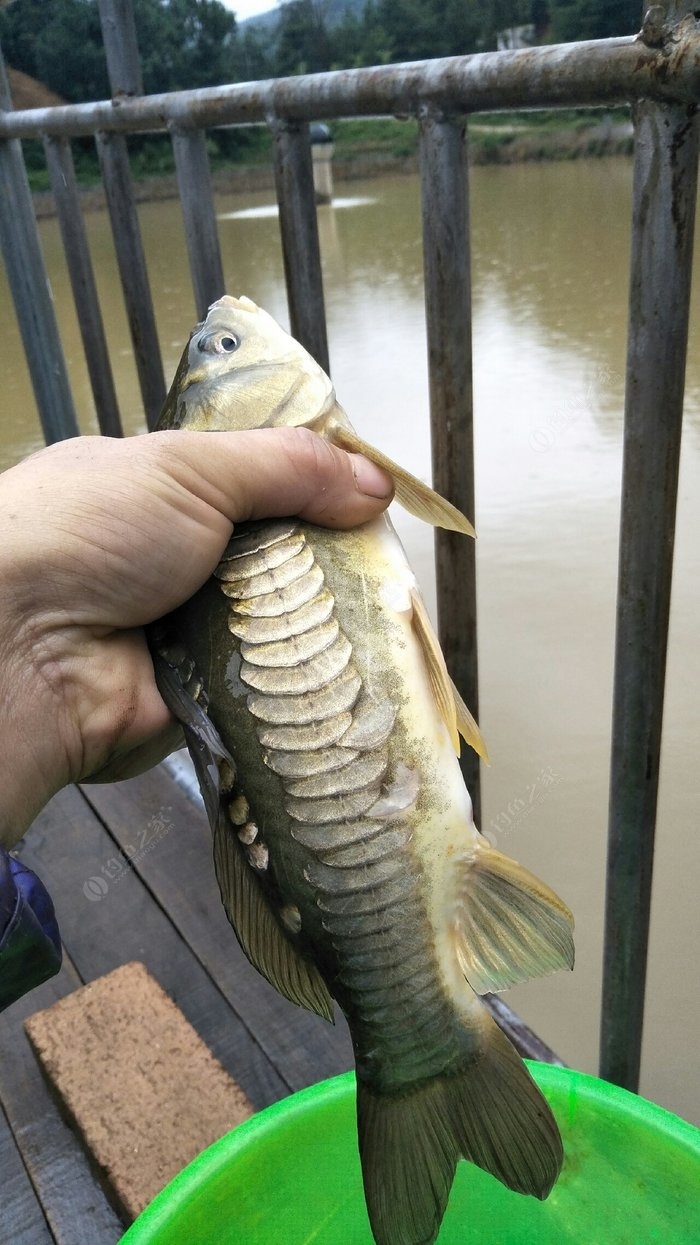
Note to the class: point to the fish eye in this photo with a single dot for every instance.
(215, 343)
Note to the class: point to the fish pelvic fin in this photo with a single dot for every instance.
(490, 1112)
(415, 496)
(258, 931)
(508, 925)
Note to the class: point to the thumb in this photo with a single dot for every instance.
(271, 472)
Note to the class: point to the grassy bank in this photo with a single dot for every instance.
(242, 158)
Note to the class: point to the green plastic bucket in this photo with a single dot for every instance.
(291, 1176)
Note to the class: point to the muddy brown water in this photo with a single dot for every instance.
(550, 260)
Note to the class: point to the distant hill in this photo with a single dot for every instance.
(26, 92)
(333, 10)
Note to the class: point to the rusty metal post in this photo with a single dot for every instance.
(294, 181)
(121, 203)
(124, 67)
(446, 262)
(665, 178)
(59, 159)
(24, 262)
(201, 235)
(121, 47)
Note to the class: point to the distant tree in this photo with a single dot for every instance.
(361, 39)
(58, 43)
(183, 43)
(594, 19)
(419, 29)
(304, 42)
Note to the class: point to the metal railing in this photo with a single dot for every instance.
(658, 74)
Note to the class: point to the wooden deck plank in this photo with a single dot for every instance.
(180, 872)
(73, 1202)
(70, 850)
(21, 1218)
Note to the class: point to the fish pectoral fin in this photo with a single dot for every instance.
(508, 925)
(440, 682)
(204, 743)
(258, 931)
(468, 727)
(415, 496)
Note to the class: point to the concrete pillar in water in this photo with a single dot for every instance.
(322, 148)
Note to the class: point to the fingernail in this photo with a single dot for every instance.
(370, 479)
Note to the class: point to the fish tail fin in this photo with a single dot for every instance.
(490, 1112)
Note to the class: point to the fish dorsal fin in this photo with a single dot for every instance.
(468, 726)
(258, 931)
(415, 496)
(440, 682)
(508, 926)
(454, 712)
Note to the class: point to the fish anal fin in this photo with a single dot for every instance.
(415, 496)
(490, 1111)
(258, 931)
(440, 682)
(468, 727)
(508, 926)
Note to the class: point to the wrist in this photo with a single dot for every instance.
(33, 767)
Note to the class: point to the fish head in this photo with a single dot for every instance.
(241, 370)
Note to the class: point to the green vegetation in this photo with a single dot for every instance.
(193, 43)
(190, 43)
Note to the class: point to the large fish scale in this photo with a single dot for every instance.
(361, 869)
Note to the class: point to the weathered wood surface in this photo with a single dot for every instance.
(75, 1210)
(164, 910)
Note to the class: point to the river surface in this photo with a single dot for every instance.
(550, 268)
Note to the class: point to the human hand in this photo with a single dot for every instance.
(99, 538)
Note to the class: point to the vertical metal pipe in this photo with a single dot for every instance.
(114, 162)
(201, 235)
(445, 209)
(294, 180)
(665, 178)
(19, 240)
(59, 159)
(121, 48)
(124, 68)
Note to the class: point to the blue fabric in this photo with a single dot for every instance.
(30, 944)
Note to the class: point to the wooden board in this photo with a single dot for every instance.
(179, 871)
(137, 1081)
(74, 1204)
(21, 1218)
(105, 923)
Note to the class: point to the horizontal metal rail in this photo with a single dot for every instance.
(570, 75)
